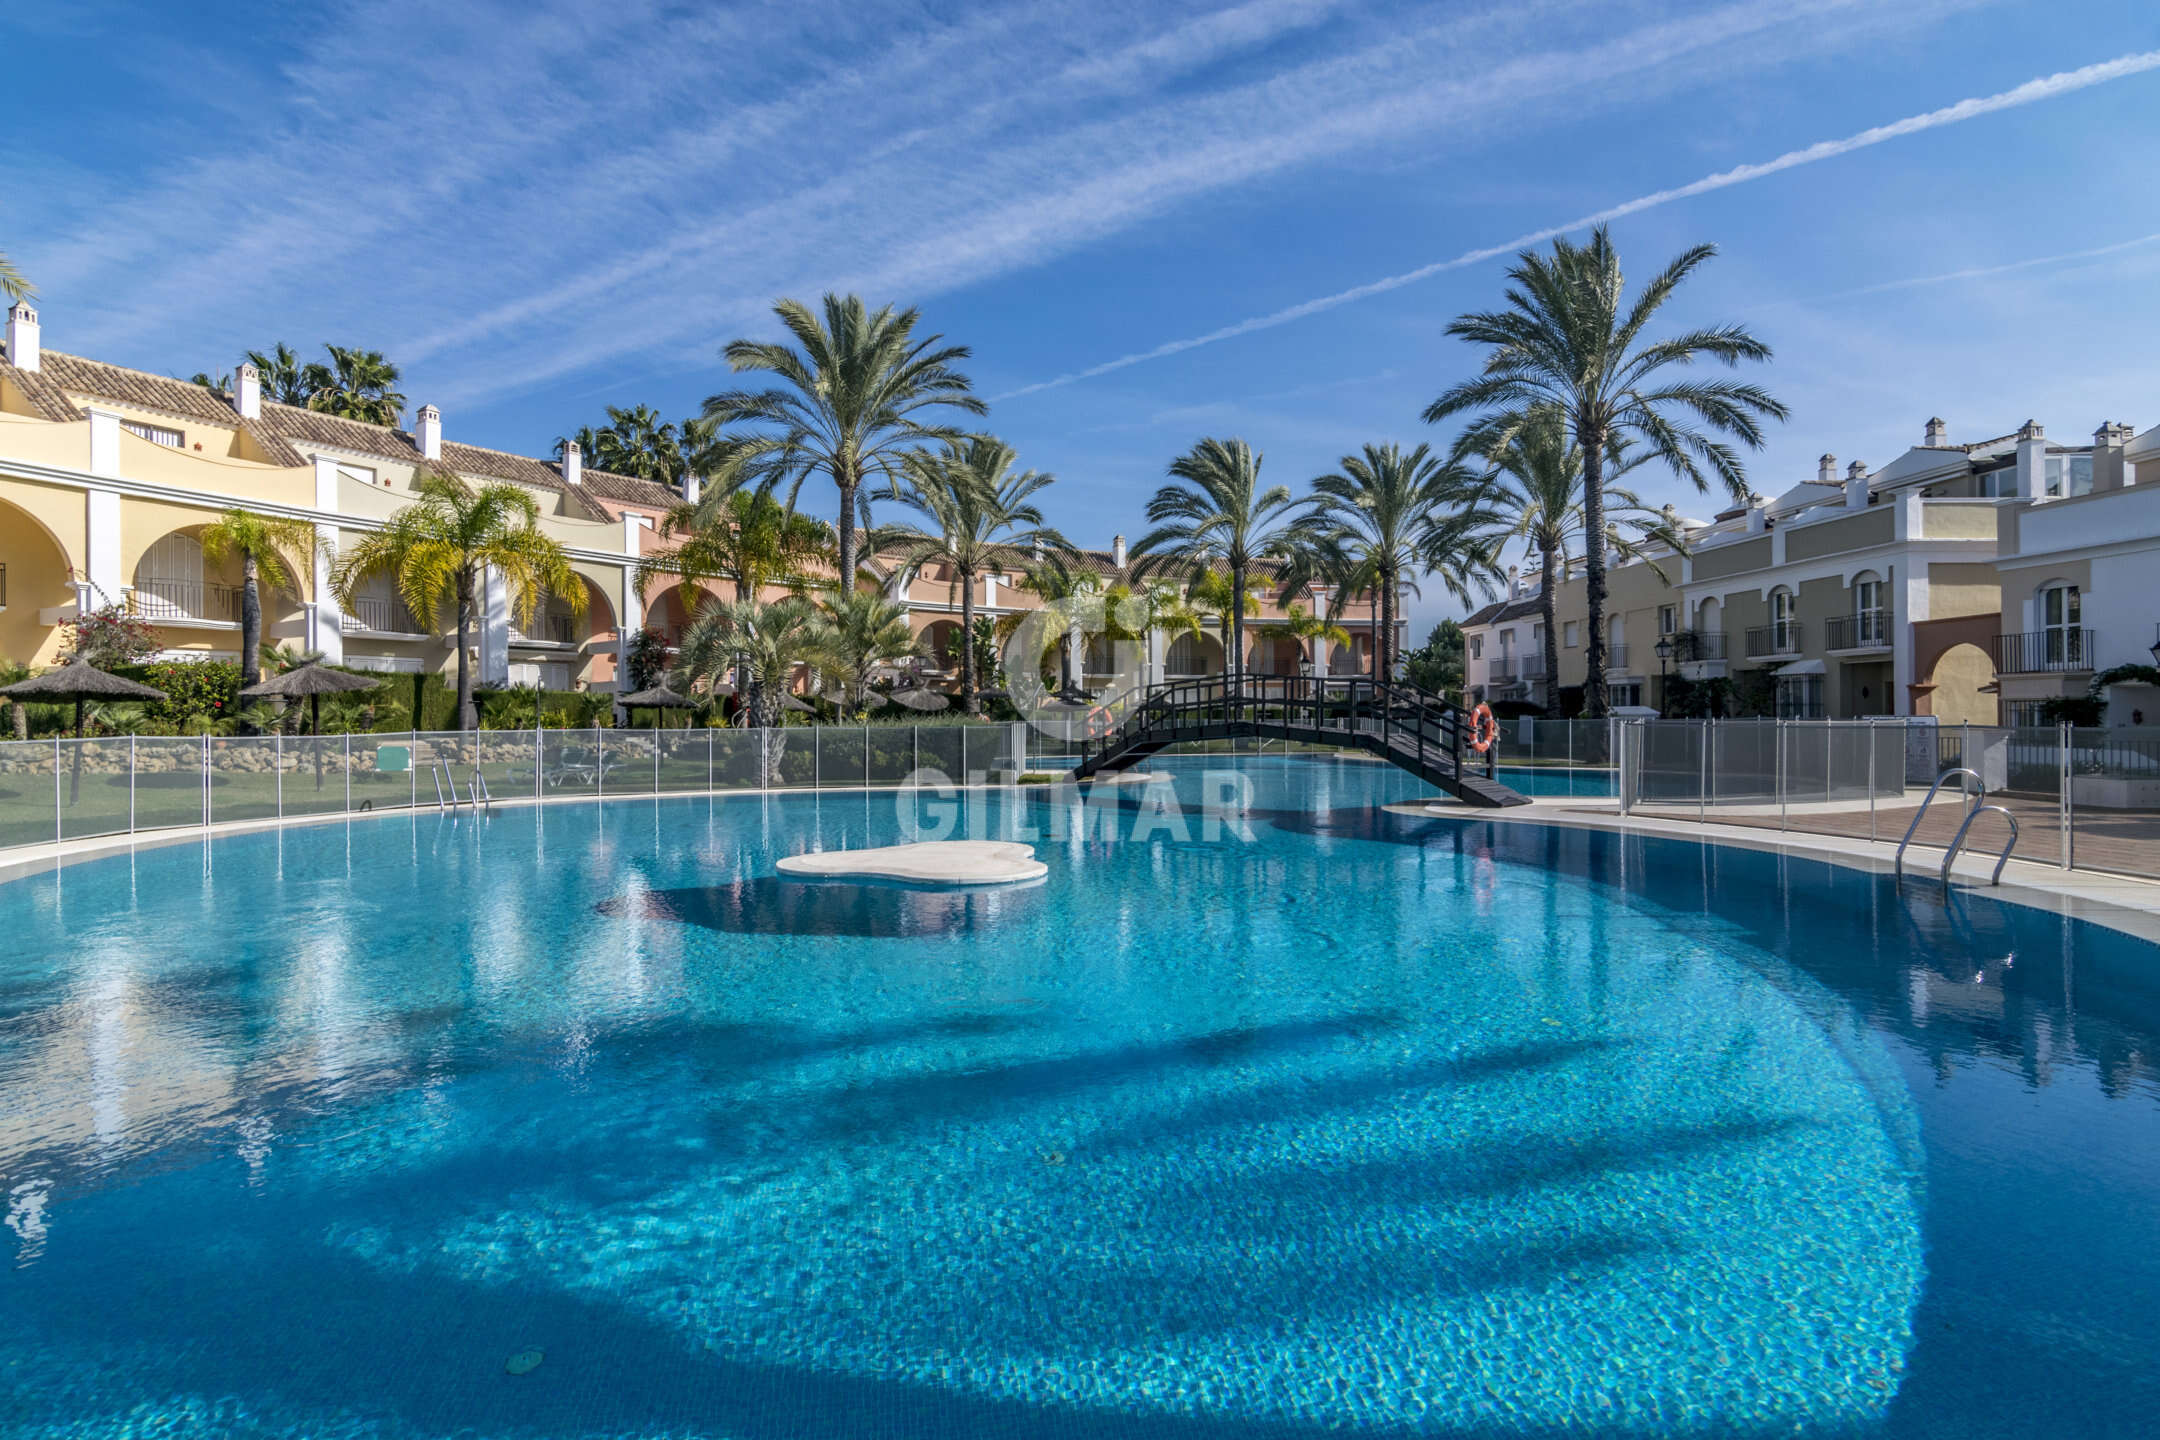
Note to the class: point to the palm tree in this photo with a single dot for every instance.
(1566, 342)
(1386, 516)
(356, 384)
(438, 548)
(849, 404)
(773, 638)
(13, 283)
(1305, 626)
(977, 516)
(270, 551)
(859, 631)
(743, 536)
(1215, 514)
(638, 443)
(284, 379)
(1536, 477)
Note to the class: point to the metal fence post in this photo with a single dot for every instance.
(277, 770)
(1780, 737)
(866, 755)
(1873, 744)
(656, 758)
(131, 784)
(348, 772)
(1702, 782)
(206, 782)
(817, 761)
(915, 732)
(58, 828)
(539, 760)
(2065, 807)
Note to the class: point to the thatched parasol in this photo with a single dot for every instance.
(926, 701)
(311, 680)
(80, 681)
(789, 702)
(658, 697)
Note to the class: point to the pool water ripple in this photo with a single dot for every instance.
(1400, 1126)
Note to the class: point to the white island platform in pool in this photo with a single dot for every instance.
(946, 862)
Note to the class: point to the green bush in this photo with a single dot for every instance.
(194, 690)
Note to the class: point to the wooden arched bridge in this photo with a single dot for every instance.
(1420, 732)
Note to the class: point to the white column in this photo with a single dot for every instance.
(326, 623)
(104, 442)
(1153, 674)
(494, 628)
(630, 609)
(103, 582)
(1911, 590)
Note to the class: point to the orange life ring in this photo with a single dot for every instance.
(1100, 723)
(1484, 730)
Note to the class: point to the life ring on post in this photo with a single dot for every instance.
(1484, 730)
(1100, 722)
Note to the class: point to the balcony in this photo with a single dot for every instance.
(1691, 646)
(1616, 657)
(2039, 652)
(1867, 630)
(386, 614)
(1769, 642)
(1530, 669)
(181, 602)
(547, 630)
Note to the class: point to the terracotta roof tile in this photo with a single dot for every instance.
(59, 375)
(630, 490)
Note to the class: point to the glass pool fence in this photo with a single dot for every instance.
(2082, 798)
(69, 789)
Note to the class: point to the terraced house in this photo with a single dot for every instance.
(1961, 580)
(108, 475)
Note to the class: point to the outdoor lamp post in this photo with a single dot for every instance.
(1664, 649)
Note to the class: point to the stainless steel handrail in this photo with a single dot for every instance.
(1958, 843)
(1978, 794)
(477, 788)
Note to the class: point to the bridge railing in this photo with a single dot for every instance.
(1432, 730)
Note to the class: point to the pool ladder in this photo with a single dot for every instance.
(1978, 794)
(446, 793)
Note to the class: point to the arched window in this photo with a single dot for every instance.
(1784, 631)
(2061, 612)
(1870, 624)
(169, 581)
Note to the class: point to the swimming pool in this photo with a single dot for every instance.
(1408, 1126)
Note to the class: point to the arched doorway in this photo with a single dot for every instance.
(34, 578)
(1192, 656)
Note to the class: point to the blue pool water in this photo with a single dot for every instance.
(1367, 1123)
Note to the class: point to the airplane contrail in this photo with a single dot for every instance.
(1976, 272)
(2031, 92)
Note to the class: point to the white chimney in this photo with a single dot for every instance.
(573, 463)
(1826, 469)
(1117, 552)
(1514, 582)
(693, 486)
(1758, 514)
(247, 391)
(1938, 434)
(427, 432)
(22, 336)
(1856, 486)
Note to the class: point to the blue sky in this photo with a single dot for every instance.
(540, 208)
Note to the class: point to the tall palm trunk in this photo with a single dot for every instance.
(250, 623)
(967, 641)
(467, 717)
(1387, 623)
(1549, 607)
(849, 482)
(1593, 465)
(1237, 629)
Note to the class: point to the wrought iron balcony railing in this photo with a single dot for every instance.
(1689, 646)
(157, 598)
(2039, 651)
(1781, 638)
(1867, 630)
(388, 615)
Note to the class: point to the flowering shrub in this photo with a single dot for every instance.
(111, 636)
(194, 690)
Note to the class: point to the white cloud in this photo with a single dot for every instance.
(2044, 88)
(500, 195)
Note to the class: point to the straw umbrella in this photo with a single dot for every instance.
(926, 701)
(311, 680)
(658, 697)
(80, 681)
